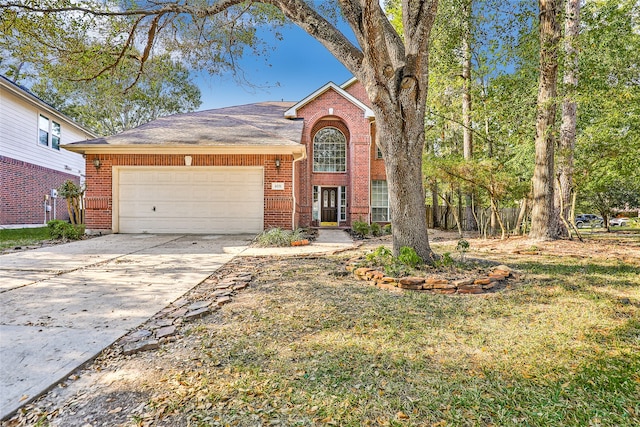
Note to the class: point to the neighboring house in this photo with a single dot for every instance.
(241, 169)
(31, 161)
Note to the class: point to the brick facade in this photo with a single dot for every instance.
(99, 202)
(22, 189)
(331, 109)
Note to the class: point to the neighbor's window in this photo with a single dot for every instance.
(378, 152)
(379, 201)
(43, 133)
(48, 132)
(329, 151)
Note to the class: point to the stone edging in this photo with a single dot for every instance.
(438, 285)
(164, 326)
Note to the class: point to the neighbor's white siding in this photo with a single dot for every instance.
(19, 135)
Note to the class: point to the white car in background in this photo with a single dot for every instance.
(619, 222)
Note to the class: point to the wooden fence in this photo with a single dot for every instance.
(445, 218)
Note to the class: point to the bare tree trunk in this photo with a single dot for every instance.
(467, 134)
(523, 211)
(495, 214)
(456, 216)
(542, 218)
(566, 145)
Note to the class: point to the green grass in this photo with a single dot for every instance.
(561, 348)
(11, 238)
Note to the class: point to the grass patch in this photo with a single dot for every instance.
(11, 238)
(302, 348)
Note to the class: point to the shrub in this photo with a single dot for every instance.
(59, 229)
(279, 237)
(376, 230)
(462, 247)
(381, 256)
(361, 228)
(387, 229)
(409, 257)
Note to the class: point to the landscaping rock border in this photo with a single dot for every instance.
(478, 284)
(165, 325)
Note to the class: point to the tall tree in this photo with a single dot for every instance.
(568, 127)
(542, 218)
(393, 67)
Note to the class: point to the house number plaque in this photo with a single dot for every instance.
(277, 185)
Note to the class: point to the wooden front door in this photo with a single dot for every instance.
(329, 203)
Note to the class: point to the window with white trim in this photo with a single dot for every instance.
(329, 151)
(48, 132)
(379, 201)
(343, 203)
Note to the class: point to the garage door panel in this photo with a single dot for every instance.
(213, 200)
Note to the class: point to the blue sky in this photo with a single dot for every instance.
(295, 68)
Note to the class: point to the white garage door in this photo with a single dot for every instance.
(179, 200)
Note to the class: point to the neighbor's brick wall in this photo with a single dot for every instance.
(99, 202)
(378, 171)
(22, 189)
(351, 121)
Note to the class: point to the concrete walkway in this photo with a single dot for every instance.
(62, 305)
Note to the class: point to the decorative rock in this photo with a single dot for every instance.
(411, 286)
(388, 286)
(223, 300)
(195, 314)
(200, 304)
(161, 323)
(436, 281)
(143, 333)
(374, 275)
(489, 286)
(224, 286)
(412, 281)
(181, 302)
(387, 279)
(504, 268)
(240, 286)
(482, 281)
(462, 282)
(165, 332)
(360, 272)
(247, 277)
(350, 267)
(179, 313)
(138, 346)
(470, 289)
(444, 286)
(222, 293)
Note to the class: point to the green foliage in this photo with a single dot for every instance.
(69, 190)
(361, 228)
(279, 237)
(409, 257)
(380, 256)
(445, 261)
(59, 229)
(387, 229)
(462, 247)
(376, 230)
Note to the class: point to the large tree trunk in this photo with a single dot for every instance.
(542, 218)
(566, 146)
(405, 181)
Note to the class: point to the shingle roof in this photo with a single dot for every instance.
(252, 124)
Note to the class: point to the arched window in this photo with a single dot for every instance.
(329, 151)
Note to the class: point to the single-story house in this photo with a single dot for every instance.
(241, 169)
(32, 165)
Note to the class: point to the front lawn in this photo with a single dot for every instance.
(19, 237)
(305, 345)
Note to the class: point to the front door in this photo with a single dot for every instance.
(329, 210)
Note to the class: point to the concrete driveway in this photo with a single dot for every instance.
(62, 305)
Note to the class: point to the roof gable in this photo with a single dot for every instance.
(293, 111)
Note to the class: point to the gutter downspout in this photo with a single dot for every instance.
(303, 155)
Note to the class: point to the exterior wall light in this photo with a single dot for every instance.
(96, 163)
(277, 163)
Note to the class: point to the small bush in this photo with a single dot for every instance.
(387, 229)
(409, 257)
(462, 247)
(279, 237)
(361, 228)
(381, 256)
(445, 261)
(59, 229)
(376, 230)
